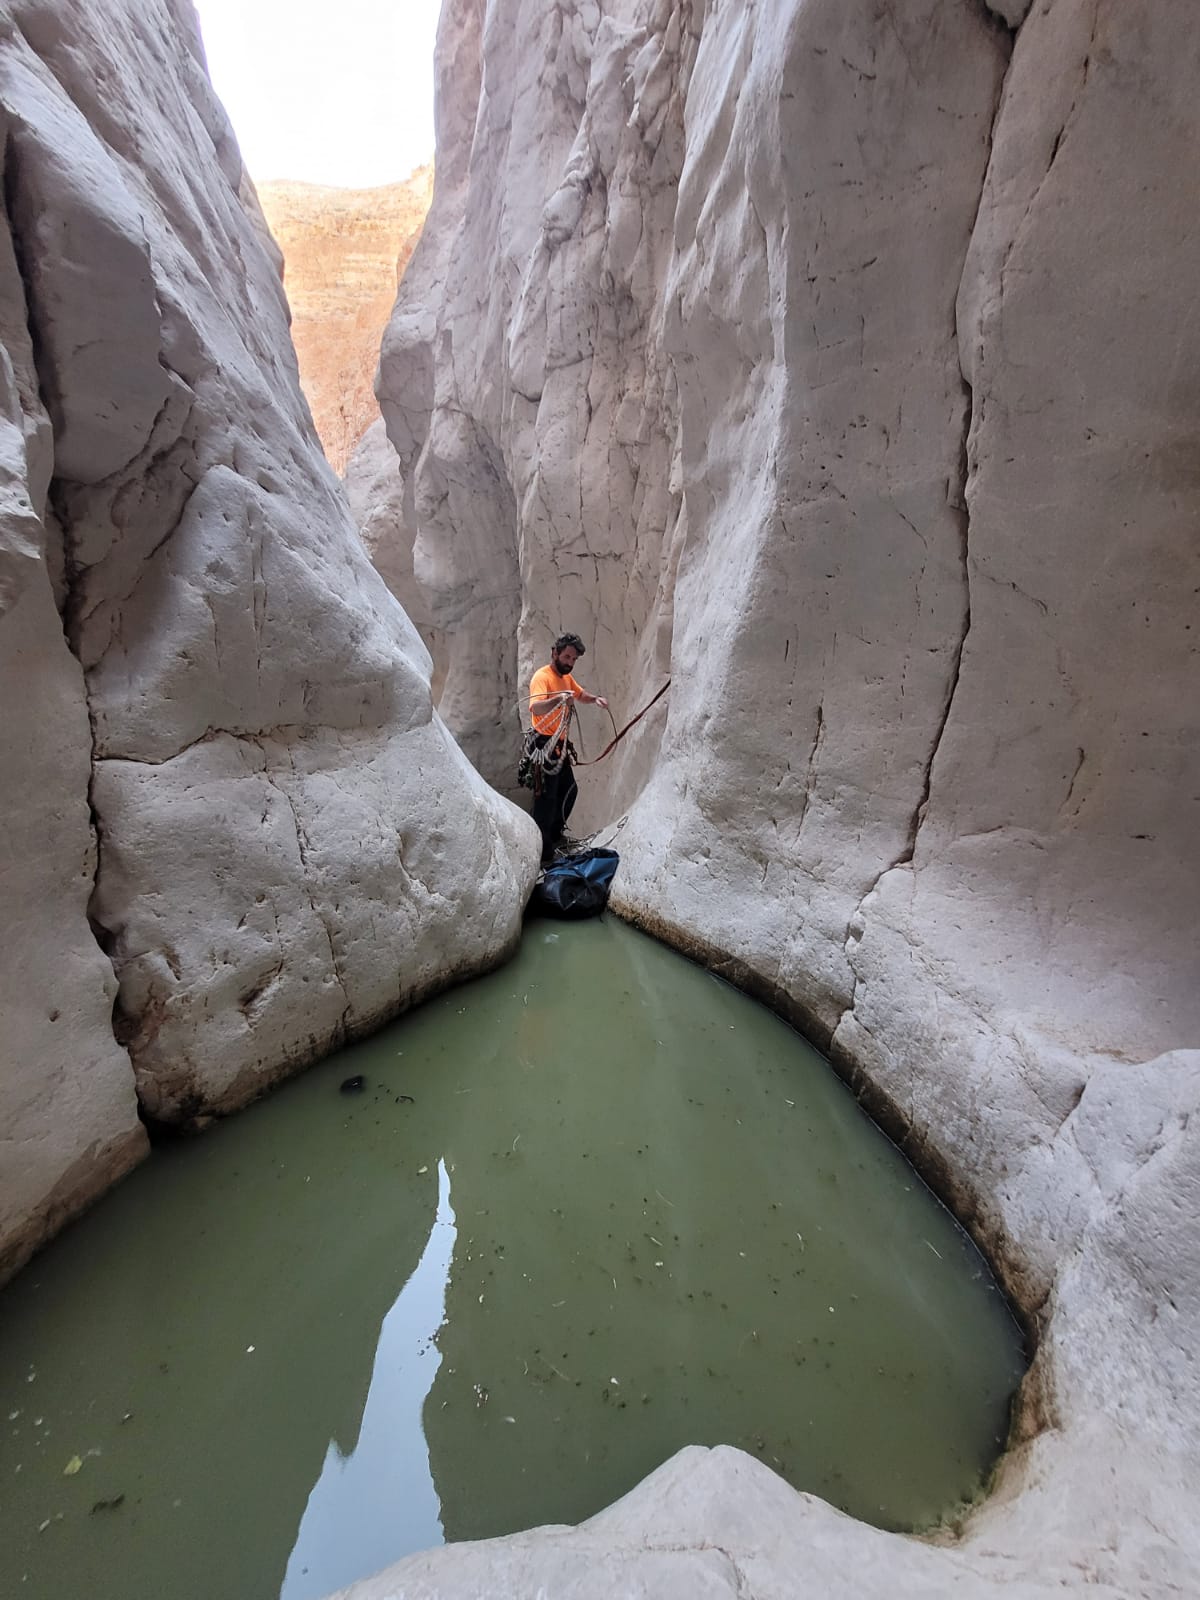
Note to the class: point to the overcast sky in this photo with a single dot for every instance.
(328, 91)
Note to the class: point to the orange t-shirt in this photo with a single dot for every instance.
(546, 682)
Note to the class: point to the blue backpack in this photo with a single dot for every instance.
(577, 885)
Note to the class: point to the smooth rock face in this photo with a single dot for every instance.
(537, 452)
(833, 358)
(67, 1106)
(375, 489)
(718, 1525)
(291, 847)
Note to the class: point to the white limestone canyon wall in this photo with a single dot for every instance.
(374, 487)
(523, 378)
(67, 1105)
(835, 357)
(283, 845)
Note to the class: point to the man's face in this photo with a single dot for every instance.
(565, 659)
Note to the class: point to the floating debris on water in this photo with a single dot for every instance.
(393, 1318)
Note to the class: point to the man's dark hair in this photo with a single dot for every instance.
(572, 640)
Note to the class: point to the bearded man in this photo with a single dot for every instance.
(551, 692)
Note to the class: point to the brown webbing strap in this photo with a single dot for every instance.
(614, 742)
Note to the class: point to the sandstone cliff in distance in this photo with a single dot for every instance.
(344, 251)
(831, 358)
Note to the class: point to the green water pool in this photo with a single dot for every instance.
(582, 1212)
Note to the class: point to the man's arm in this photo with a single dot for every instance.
(545, 704)
(584, 697)
(540, 708)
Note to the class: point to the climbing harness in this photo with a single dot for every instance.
(543, 754)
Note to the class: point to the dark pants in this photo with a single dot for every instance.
(552, 805)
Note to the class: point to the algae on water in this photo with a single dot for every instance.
(587, 1210)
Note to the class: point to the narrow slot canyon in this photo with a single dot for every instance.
(828, 359)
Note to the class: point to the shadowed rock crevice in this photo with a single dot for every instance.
(575, 362)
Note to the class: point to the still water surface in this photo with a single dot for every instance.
(583, 1211)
